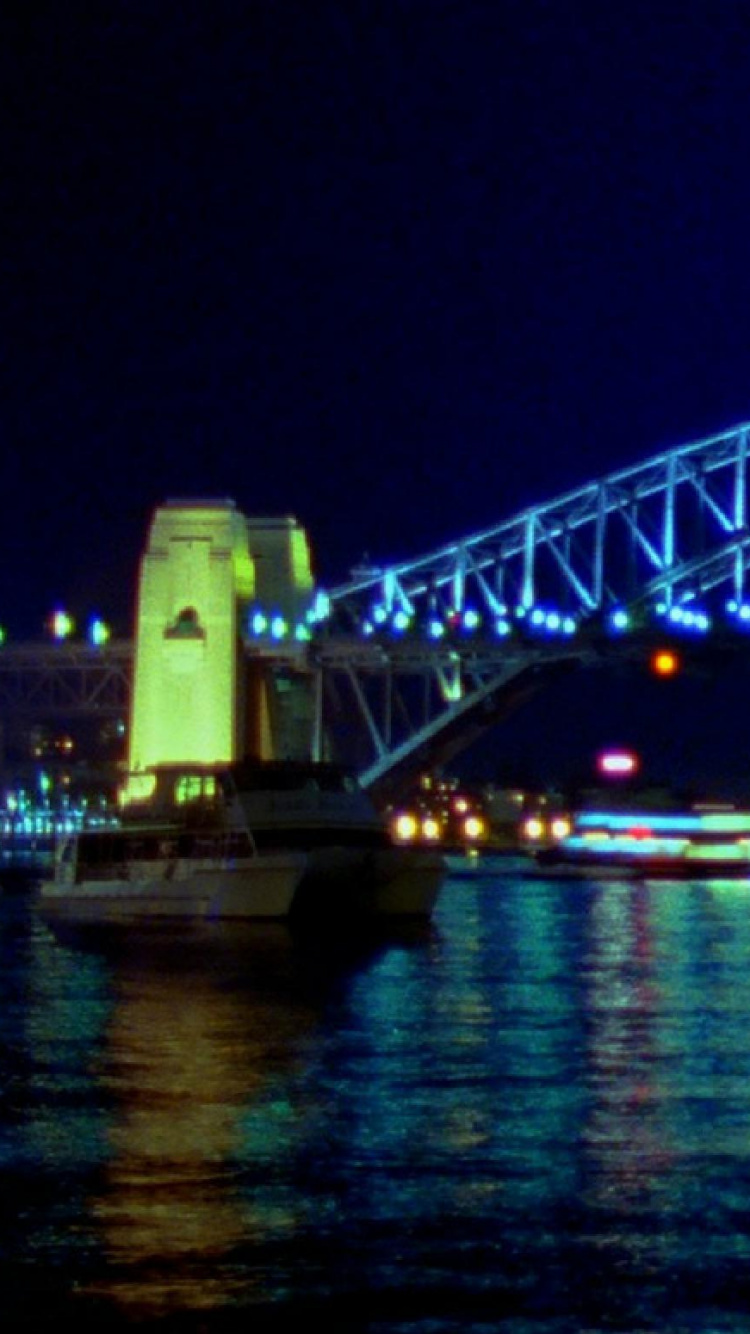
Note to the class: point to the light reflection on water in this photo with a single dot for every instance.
(533, 1116)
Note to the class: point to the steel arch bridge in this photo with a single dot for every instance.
(432, 651)
(411, 662)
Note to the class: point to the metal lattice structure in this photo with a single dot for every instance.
(65, 680)
(672, 527)
(453, 634)
(412, 661)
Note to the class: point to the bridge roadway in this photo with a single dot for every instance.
(401, 704)
(76, 679)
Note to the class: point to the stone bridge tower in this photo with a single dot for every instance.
(197, 698)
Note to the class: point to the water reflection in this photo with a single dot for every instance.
(184, 1053)
(629, 1146)
(198, 1032)
(667, 1141)
(536, 1112)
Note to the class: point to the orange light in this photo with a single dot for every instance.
(665, 662)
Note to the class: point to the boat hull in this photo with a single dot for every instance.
(386, 882)
(258, 888)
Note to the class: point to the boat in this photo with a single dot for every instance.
(704, 841)
(354, 867)
(151, 871)
(267, 839)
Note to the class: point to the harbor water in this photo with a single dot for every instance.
(531, 1116)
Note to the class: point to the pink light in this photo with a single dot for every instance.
(617, 763)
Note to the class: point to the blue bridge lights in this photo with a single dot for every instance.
(739, 611)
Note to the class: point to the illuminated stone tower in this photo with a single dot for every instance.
(195, 698)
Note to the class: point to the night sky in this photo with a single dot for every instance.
(396, 267)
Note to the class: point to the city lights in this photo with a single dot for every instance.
(617, 763)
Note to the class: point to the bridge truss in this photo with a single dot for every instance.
(454, 636)
(65, 680)
(411, 662)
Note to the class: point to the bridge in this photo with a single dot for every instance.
(405, 664)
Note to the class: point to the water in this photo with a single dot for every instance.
(533, 1117)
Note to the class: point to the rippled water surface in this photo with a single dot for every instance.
(532, 1116)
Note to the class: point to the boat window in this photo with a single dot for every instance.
(194, 787)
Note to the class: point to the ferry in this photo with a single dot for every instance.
(267, 839)
(703, 841)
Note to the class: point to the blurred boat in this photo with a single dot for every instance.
(702, 842)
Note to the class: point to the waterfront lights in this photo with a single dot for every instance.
(474, 827)
(431, 829)
(401, 621)
(435, 628)
(471, 619)
(619, 620)
(406, 826)
(258, 623)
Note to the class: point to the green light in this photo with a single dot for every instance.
(62, 625)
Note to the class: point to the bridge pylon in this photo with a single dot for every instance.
(197, 698)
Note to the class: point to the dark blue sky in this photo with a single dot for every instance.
(395, 267)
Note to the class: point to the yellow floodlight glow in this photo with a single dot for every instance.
(431, 828)
(406, 826)
(474, 826)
